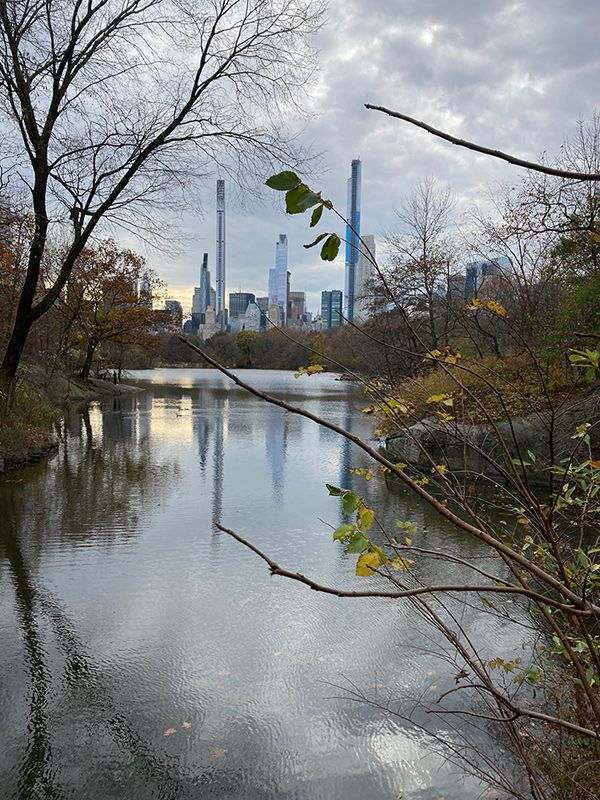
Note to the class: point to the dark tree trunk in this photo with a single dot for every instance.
(85, 370)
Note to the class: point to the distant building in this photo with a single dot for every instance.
(238, 303)
(296, 310)
(220, 308)
(331, 308)
(204, 299)
(478, 271)
(352, 241)
(274, 315)
(210, 326)
(365, 272)
(145, 291)
(263, 305)
(174, 309)
(252, 318)
(279, 279)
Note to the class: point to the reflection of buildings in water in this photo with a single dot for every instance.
(219, 410)
(201, 433)
(347, 452)
(143, 403)
(276, 437)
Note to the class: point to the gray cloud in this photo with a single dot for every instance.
(512, 75)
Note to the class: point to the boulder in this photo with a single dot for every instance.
(476, 448)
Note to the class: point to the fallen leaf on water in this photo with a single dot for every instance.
(321, 658)
(377, 685)
(432, 688)
(431, 672)
(224, 672)
(169, 732)
(218, 752)
(278, 653)
(390, 666)
(187, 725)
(238, 718)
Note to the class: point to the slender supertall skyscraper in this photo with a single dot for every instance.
(352, 241)
(204, 285)
(220, 309)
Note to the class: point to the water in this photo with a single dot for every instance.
(145, 654)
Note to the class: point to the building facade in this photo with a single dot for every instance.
(352, 241)
(365, 272)
(220, 308)
(238, 303)
(331, 309)
(279, 277)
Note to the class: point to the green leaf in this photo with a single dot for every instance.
(344, 531)
(316, 241)
(349, 503)
(283, 181)
(335, 490)
(307, 200)
(357, 543)
(316, 216)
(365, 518)
(331, 248)
(585, 562)
(292, 198)
(383, 559)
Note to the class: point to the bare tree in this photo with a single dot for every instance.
(421, 251)
(112, 107)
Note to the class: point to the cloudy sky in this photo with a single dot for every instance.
(514, 76)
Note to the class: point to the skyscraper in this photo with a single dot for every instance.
(365, 271)
(331, 308)
(278, 278)
(220, 309)
(352, 234)
(238, 303)
(204, 285)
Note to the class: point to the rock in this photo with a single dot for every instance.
(477, 450)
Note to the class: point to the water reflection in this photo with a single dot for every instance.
(124, 614)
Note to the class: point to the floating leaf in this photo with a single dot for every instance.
(169, 732)
(187, 725)
(218, 752)
(335, 490)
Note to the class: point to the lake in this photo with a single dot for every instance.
(146, 654)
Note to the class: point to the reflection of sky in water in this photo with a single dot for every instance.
(125, 613)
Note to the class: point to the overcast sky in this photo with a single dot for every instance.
(510, 75)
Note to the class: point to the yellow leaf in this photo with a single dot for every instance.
(408, 541)
(169, 732)
(366, 563)
(401, 563)
(594, 464)
(523, 520)
(187, 725)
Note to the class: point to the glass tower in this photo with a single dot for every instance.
(352, 241)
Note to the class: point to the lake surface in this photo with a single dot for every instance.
(145, 654)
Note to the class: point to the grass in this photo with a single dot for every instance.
(25, 429)
(513, 386)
